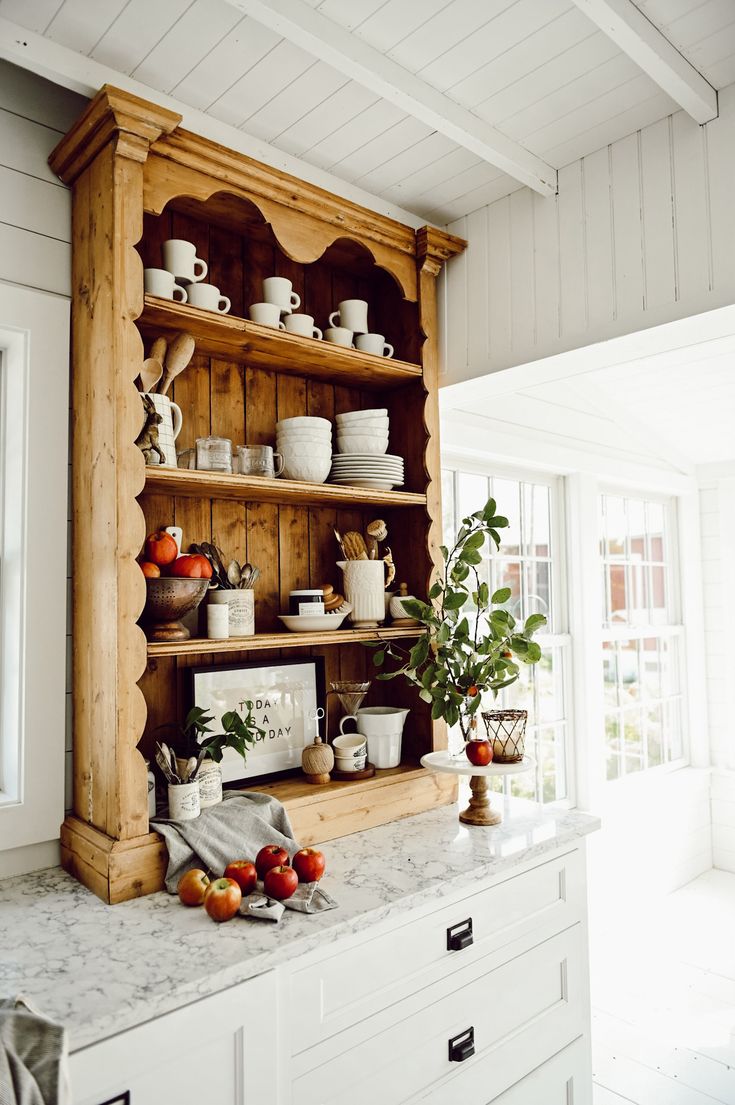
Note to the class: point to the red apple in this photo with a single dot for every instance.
(160, 548)
(192, 886)
(244, 874)
(280, 882)
(190, 567)
(150, 571)
(222, 899)
(479, 753)
(273, 855)
(309, 864)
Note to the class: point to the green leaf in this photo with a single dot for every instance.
(489, 510)
(379, 658)
(437, 710)
(453, 600)
(501, 595)
(475, 540)
(444, 551)
(436, 590)
(425, 696)
(534, 622)
(472, 556)
(415, 609)
(419, 652)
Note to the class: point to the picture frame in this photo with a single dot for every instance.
(285, 695)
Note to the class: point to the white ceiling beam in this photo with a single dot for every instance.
(85, 75)
(350, 55)
(642, 41)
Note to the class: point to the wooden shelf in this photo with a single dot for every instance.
(261, 641)
(219, 485)
(237, 339)
(298, 791)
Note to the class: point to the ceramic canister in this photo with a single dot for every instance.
(364, 582)
(183, 801)
(209, 778)
(241, 603)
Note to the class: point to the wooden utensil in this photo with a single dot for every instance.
(150, 373)
(180, 352)
(158, 350)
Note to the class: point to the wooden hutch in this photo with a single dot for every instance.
(137, 179)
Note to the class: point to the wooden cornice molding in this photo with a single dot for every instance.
(112, 114)
(434, 247)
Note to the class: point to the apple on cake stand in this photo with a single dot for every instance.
(479, 811)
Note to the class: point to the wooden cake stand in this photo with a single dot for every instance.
(479, 811)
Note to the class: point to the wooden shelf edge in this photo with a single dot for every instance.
(238, 339)
(262, 641)
(220, 485)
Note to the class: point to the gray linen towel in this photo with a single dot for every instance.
(237, 828)
(309, 897)
(33, 1057)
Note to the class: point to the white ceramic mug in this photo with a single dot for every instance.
(349, 746)
(208, 298)
(169, 427)
(304, 325)
(364, 583)
(352, 314)
(339, 335)
(180, 258)
(279, 290)
(161, 282)
(374, 343)
(267, 314)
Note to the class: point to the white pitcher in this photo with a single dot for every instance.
(169, 427)
(383, 728)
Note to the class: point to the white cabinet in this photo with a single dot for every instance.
(220, 1050)
(482, 999)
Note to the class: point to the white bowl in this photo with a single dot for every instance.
(360, 416)
(308, 469)
(312, 623)
(309, 452)
(361, 443)
(350, 765)
(288, 442)
(369, 426)
(305, 422)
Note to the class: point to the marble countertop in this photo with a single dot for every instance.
(100, 969)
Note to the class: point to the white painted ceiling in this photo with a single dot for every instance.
(673, 406)
(537, 70)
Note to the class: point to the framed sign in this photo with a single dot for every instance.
(285, 696)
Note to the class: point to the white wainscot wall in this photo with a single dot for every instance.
(640, 233)
(35, 251)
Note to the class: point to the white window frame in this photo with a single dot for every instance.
(34, 413)
(559, 582)
(675, 628)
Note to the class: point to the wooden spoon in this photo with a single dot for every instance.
(150, 373)
(180, 352)
(158, 349)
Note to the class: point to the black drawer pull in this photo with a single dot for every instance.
(462, 1047)
(459, 936)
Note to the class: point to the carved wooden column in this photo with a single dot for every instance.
(102, 160)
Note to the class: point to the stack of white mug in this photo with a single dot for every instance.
(280, 302)
(348, 326)
(181, 278)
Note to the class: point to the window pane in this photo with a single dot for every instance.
(549, 686)
(472, 494)
(641, 677)
(537, 590)
(448, 506)
(536, 524)
(507, 494)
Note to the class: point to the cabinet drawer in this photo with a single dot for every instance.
(522, 1013)
(564, 1079)
(352, 984)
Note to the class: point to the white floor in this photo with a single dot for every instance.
(663, 999)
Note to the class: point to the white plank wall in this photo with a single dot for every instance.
(641, 233)
(35, 234)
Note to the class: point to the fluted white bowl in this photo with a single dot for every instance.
(360, 416)
(305, 422)
(362, 443)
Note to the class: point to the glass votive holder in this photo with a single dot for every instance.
(187, 458)
(214, 454)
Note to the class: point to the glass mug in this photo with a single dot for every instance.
(259, 460)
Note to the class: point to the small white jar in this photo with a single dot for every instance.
(241, 604)
(209, 778)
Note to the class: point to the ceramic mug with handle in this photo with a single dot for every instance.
(208, 298)
(375, 344)
(352, 314)
(180, 258)
(162, 283)
(279, 290)
(304, 325)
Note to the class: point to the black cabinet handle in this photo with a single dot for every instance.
(462, 1047)
(460, 936)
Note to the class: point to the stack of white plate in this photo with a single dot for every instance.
(306, 446)
(363, 431)
(367, 470)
